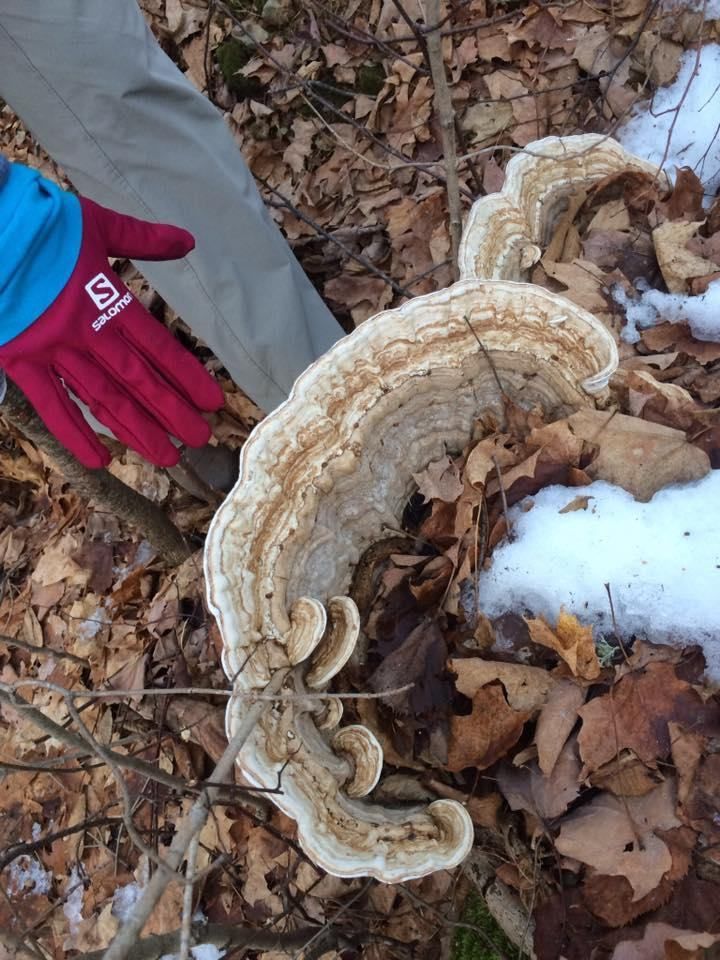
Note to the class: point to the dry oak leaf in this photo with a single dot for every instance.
(526, 688)
(483, 737)
(571, 640)
(637, 455)
(557, 718)
(658, 942)
(677, 263)
(618, 837)
(636, 713)
(440, 480)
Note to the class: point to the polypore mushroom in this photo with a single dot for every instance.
(320, 479)
(506, 232)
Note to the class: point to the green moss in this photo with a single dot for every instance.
(370, 79)
(469, 945)
(231, 56)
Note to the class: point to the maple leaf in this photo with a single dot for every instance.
(571, 640)
(483, 737)
(635, 716)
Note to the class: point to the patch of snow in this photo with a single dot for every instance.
(701, 312)
(72, 908)
(89, 627)
(712, 7)
(661, 559)
(28, 876)
(203, 951)
(124, 899)
(36, 831)
(695, 137)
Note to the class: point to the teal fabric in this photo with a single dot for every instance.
(40, 236)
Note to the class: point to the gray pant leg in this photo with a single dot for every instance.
(90, 81)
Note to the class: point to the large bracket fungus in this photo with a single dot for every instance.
(320, 480)
(506, 232)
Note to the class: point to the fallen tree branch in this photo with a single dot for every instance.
(221, 935)
(107, 491)
(126, 940)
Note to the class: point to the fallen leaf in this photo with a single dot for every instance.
(483, 457)
(636, 713)
(637, 455)
(625, 776)
(420, 660)
(483, 737)
(687, 198)
(440, 480)
(557, 718)
(546, 797)
(577, 503)
(527, 688)
(678, 264)
(655, 940)
(571, 640)
(616, 837)
(610, 899)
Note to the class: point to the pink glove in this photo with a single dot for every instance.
(99, 340)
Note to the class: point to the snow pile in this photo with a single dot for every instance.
(712, 7)
(694, 138)
(124, 900)
(73, 894)
(653, 306)
(203, 951)
(28, 876)
(661, 559)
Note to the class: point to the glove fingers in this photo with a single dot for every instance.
(116, 408)
(161, 398)
(177, 364)
(62, 416)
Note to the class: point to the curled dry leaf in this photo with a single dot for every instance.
(557, 718)
(571, 640)
(546, 797)
(677, 263)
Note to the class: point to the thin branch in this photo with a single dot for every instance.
(224, 936)
(44, 651)
(446, 119)
(126, 940)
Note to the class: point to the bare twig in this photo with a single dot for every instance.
(446, 119)
(503, 498)
(125, 941)
(44, 651)
(187, 910)
(616, 630)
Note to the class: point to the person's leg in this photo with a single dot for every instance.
(89, 80)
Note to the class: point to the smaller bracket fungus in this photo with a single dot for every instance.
(505, 232)
(320, 480)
